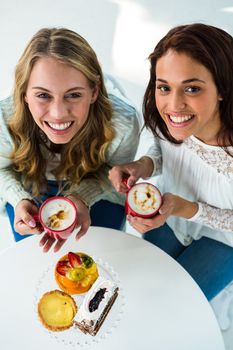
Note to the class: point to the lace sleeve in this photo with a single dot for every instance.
(213, 217)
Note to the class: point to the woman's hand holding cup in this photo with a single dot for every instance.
(124, 176)
(82, 220)
(171, 205)
(24, 222)
(57, 217)
(143, 224)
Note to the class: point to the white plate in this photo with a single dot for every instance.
(73, 336)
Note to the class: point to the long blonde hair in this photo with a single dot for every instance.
(85, 153)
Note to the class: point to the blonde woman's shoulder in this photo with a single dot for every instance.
(6, 142)
(6, 108)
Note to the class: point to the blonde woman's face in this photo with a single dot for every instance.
(59, 98)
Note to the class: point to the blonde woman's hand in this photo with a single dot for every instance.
(141, 168)
(84, 222)
(172, 205)
(24, 222)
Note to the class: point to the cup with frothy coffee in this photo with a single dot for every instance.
(58, 216)
(143, 199)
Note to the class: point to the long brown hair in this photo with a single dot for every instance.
(213, 48)
(85, 153)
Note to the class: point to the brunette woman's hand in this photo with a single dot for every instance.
(24, 222)
(141, 168)
(172, 205)
(84, 222)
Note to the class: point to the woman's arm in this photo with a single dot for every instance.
(11, 190)
(216, 218)
(172, 206)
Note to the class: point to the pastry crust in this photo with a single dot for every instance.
(56, 310)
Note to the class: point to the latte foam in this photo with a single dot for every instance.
(58, 214)
(144, 198)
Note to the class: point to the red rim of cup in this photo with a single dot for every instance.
(63, 199)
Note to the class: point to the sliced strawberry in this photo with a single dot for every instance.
(74, 259)
(63, 267)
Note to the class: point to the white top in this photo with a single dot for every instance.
(200, 173)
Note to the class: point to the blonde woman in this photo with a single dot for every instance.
(64, 128)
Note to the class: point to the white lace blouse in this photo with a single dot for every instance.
(200, 173)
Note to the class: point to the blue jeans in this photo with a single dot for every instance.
(209, 262)
(102, 213)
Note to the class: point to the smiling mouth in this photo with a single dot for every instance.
(178, 120)
(59, 126)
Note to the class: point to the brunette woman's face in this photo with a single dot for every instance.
(59, 98)
(187, 98)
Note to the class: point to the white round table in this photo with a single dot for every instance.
(159, 305)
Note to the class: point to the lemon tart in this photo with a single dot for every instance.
(75, 273)
(56, 310)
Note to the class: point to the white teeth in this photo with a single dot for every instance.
(182, 119)
(61, 126)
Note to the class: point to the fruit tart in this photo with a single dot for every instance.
(56, 310)
(75, 273)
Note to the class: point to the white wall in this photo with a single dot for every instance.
(122, 32)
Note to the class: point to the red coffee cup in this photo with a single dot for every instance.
(58, 216)
(143, 200)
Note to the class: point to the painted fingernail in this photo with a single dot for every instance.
(32, 223)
